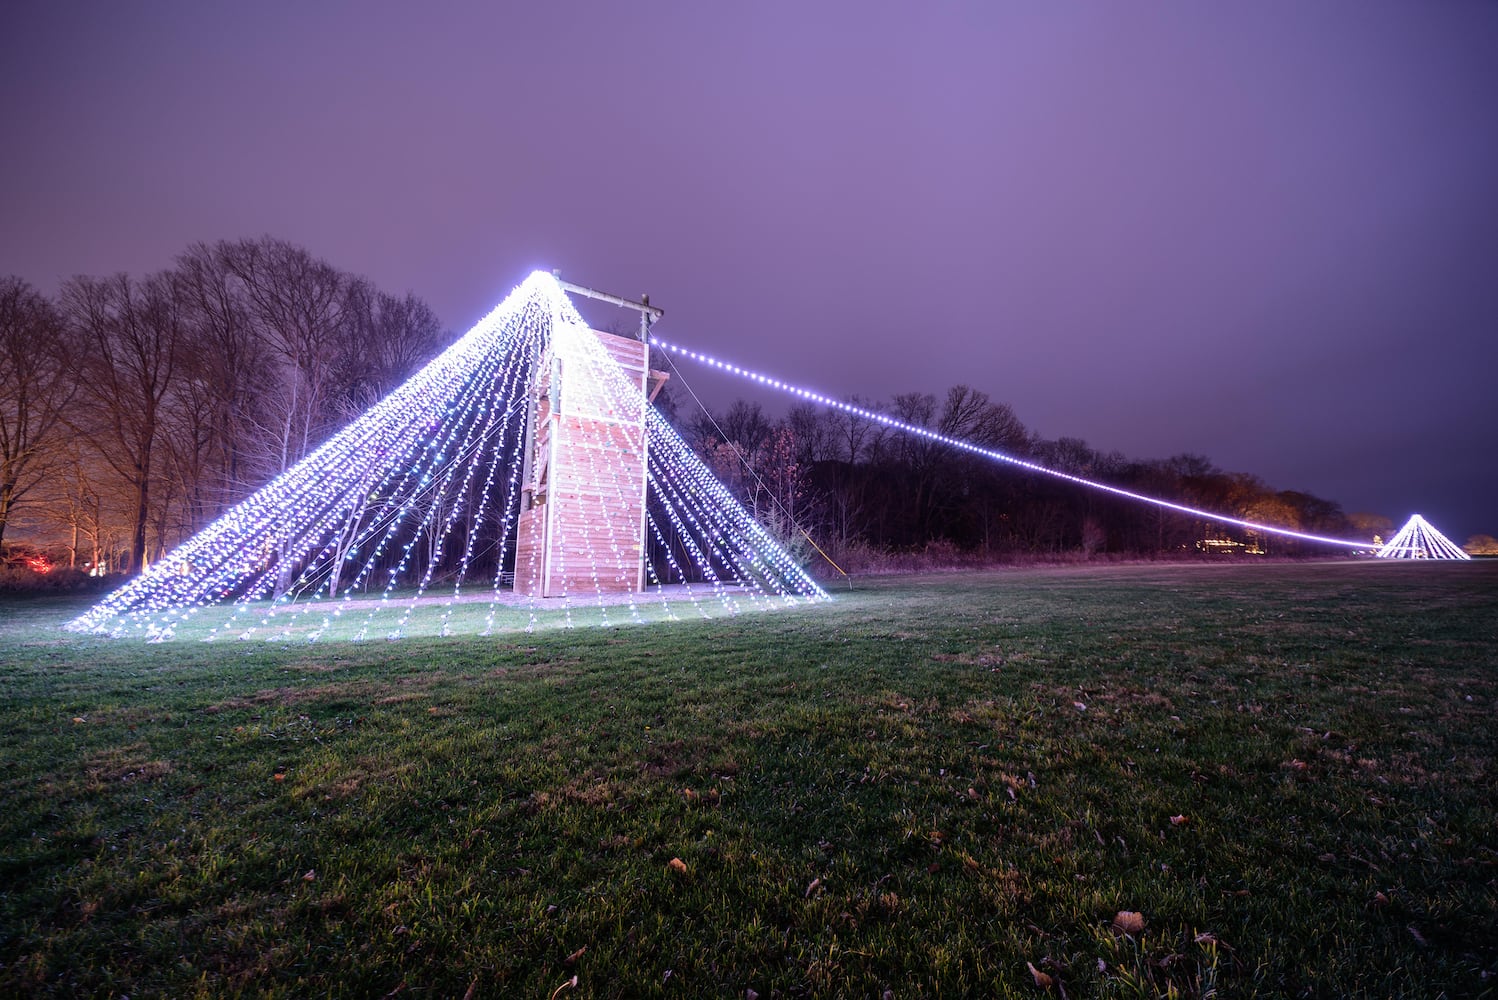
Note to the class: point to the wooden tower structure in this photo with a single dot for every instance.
(581, 527)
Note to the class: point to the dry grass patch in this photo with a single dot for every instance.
(123, 765)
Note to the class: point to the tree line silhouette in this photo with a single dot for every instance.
(863, 492)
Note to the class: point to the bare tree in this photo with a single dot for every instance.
(940, 481)
(130, 338)
(782, 479)
(79, 506)
(35, 390)
(814, 433)
(850, 438)
(389, 339)
(746, 428)
(187, 390)
(299, 308)
(971, 415)
(981, 497)
(226, 375)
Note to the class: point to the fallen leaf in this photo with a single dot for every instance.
(1041, 979)
(677, 865)
(1179, 821)
(750, 995)
(311, 875)
(812, 888)
(1419, 938)
(1128, 922)
(1079, 706)
(1379, 900)
(572, 958)
(278, 776)
(1206, 937)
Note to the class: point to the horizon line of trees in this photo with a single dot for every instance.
(853, 485)
(135, 411)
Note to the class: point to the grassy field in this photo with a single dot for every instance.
(945, 786)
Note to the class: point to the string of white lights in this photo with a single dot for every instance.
(990, 453)
(366, 522)
(243, 551)
(1419, 539)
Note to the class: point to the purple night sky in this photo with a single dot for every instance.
(1264, 232)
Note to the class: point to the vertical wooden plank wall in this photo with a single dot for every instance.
(581, 526)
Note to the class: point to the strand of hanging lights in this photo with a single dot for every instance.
(1419, 539)
(426, 487)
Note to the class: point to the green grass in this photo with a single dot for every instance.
(900, 790)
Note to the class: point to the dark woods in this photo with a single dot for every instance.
(872, 497)
(135, 411)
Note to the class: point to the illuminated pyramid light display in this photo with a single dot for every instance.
(1419, 539)
(524, 463)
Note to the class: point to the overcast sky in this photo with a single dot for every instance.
(1263, 232)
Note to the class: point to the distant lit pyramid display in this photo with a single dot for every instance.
(526, 463)
(1419, 539)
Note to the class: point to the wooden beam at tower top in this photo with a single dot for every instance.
(648, 313)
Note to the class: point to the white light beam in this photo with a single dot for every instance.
(991, 453)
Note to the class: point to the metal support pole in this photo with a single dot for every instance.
(645, 321)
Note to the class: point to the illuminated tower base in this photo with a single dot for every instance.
(581, 527)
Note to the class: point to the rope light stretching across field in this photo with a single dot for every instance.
(990, 453)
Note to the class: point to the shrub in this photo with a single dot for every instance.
(61, 580)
